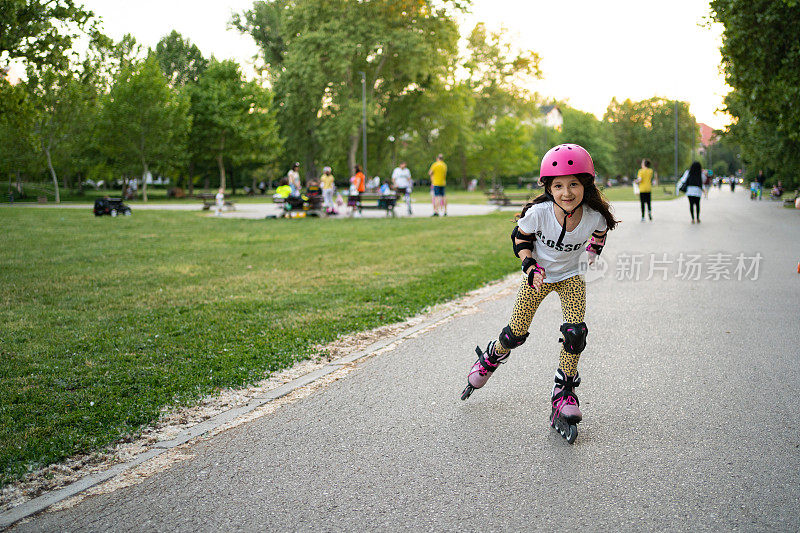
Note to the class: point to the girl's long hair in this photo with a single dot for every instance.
(695, 175)
(591, 197)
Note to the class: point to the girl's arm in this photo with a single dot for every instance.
(523, 248)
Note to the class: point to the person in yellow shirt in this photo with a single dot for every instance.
(438, 174)
(646, 178)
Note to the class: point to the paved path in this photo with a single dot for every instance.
(689, 393)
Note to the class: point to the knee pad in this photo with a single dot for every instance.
(574, 339)
(511, 341)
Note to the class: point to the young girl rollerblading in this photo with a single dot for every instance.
(550, 236)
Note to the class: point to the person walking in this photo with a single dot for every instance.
(692, 184)
(645, 180)
(760, 179)
(550, 237)
(438, 174)
(328, 190)
(401, 181)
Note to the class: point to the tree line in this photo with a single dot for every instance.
(761, 61)
(119, 111)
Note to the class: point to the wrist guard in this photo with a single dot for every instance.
(526, 244)
(596, 244)
(531, 262)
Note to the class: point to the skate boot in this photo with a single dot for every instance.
(483, 368)
(566, 414)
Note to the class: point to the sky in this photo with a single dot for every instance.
(590, 50)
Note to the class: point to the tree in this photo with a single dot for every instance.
(498, 75)
(503, 149)
(143, 122)
(234, 119)
(503, 117)
(594, 135)
(646, 129)
(40, 32)
(315, 50)
(761, 61)
(16, 134)
(180, 60)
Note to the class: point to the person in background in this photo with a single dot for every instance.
(401, 181)
(294, 179)
(358, 185)
(692, 184)
(328, 190)
(760, 179)
(708, 181)
(220, 200)
(645, 180)
(438, 174)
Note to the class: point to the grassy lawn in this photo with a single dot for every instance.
(103, 321)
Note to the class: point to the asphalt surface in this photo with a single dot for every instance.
(689, 396)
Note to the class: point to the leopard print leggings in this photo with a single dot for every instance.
(571, 291)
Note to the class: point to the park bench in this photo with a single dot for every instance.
(210, 200)
(498, 196)
(376, 200)
(292, 207)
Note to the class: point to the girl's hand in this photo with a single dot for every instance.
(537, 279)
(592, 257)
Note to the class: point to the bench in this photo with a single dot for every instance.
(294, 206)
(210, 200)
(499, 197)
(375, 200)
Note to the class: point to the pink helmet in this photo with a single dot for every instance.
(566, 159)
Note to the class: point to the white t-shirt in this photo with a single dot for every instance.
(220, 198)
(562, 262)
(402, 178)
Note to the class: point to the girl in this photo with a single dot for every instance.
(692, 184)
(551, 234)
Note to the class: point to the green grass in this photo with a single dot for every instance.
(625, 193)
(103, 321)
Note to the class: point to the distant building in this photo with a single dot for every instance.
(707, 135)
(707, 138)
(551, 117)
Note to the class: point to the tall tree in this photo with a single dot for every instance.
(143, 122)
(180, 60)
(16, 134)
(234, 119)
(761, 59)
(316, 49)
(41, 32)
(57, 100)
(646, 129)
(586, 130)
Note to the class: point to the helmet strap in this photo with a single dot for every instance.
(568, 213)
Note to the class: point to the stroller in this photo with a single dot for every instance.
(110, 206)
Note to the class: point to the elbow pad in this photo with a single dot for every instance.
(526, 244)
